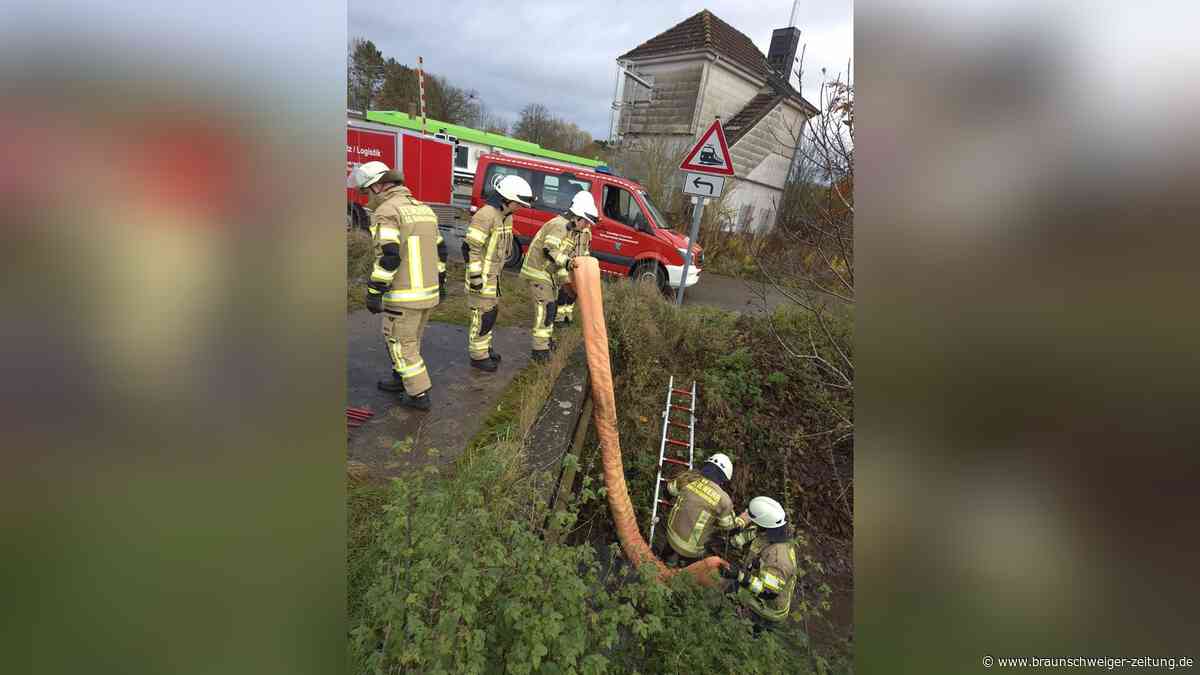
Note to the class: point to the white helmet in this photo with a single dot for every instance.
(515, 189)
(583, 205)
(366, 175)
(722, 461)
(766, 513)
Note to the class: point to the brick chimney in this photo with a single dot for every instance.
(781, 57)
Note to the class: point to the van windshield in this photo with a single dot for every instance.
(659, 220)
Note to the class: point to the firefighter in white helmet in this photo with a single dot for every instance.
(702, 506)
(486, 247)
(581, 244)
(548, 264)
(404, 278)
(768, 571)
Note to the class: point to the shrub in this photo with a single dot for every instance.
(466, 582)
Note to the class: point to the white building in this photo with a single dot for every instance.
(671, 87)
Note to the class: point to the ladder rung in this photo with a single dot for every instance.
(685, 392)
(678, 424)
(665, 480)
(681, 407)
(664, 502)
(672, 441)
(672, 460)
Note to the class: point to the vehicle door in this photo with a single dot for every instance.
(615, 240)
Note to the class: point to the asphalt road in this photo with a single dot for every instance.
(728, 293)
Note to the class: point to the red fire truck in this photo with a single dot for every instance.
(427, 163)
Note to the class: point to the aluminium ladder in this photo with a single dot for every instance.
(690, 444)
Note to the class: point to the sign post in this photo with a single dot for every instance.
(705, 167)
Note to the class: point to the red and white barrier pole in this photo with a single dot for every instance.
(421, 88)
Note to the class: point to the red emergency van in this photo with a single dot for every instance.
(632, 237)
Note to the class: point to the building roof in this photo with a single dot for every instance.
(399, 119)
(748, 116)
(704, 30)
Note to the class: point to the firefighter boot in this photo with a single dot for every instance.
(419, 402)
(540, 355)
(493, 355)
(393, 385)
(487, 365)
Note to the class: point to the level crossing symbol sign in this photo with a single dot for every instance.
(710, 154)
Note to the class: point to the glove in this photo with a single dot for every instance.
(441, 286)
(731, 571)
(374, 301)
(475, 283)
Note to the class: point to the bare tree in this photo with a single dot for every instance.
(535, 123)
(807, 261)
(364, 73)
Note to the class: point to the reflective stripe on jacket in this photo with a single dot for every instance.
(401, 220)
(701, 507)
(488, 239)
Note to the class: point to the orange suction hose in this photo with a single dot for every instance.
(586, 278)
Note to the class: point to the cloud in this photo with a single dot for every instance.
(563, 54)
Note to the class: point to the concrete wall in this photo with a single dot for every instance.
(676, 86)
(765, 152)
(725, 94)
(762, 200)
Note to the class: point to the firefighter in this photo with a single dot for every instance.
(486, 247)
(548, 264)
(767, 574)
(581, 244)
(404, 280)
(702, 506)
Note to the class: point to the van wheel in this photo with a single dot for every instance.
(650, 272)
(514, 257)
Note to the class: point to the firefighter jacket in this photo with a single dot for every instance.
(549, 253)
(772, 573)
(701, 507)
(405, 235)
(487, 243)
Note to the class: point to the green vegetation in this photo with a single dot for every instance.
(516, 305)
(467, 583)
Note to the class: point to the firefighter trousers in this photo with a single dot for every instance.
(402, 332)
(484, 311)
(545, 308)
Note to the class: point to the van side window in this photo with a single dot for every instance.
(555, 191)
(497, 171)
(460, 156)
(621, 207)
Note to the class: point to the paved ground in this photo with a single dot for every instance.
(462, 394)
(729, 293)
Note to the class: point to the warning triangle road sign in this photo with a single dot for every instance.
(710, 154)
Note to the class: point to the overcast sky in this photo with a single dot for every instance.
(563, 54)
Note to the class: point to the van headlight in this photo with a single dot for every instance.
(683, 254)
